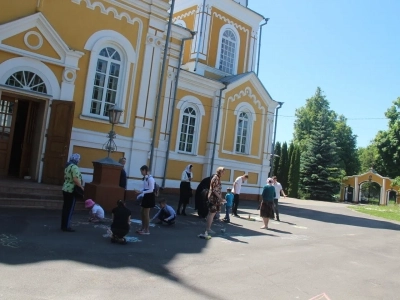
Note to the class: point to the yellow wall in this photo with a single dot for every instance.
(190, 22)
(76, 33)
(229, 118)
(88, 155)
(216, 25)
(16, 9)
(227, 175)
(175, 169)
(253, 179)
(18, 42)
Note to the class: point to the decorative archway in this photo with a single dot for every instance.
(353, 184)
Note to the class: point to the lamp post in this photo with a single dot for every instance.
(114, 114)
(106, 171)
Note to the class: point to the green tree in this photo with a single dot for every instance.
(388, 142)
(368, 157)
(283, 168)
(277, 157)
(294, 173)
(346, 142)
(307, 115)
(319, 172)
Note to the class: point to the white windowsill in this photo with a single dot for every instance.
(100, 120)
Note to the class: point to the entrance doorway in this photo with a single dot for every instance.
(20, 134)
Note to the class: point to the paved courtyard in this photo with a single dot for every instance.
(318, 251)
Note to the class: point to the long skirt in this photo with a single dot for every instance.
(185, 192)
(267, 210)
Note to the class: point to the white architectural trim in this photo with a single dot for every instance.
(98, 41)
(245, 108)
(38, 35)
(119, 16)
(68, 58)
(197, 105)
(180, 23)
(202, 86)
(237, 36)
(17, 64)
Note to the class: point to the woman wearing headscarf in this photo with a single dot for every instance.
(122, 178)
(72, 177)
(185, 189)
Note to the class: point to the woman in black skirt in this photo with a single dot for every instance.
(120, 226)
(267, 205)
(148, 200)
(185, 190)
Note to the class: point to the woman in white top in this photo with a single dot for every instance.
(148, 199)
(185, 189)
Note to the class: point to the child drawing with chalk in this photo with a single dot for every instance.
(166, 214)
(96, 212)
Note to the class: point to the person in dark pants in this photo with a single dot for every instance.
(123, 177)
(72, 177)
(121, 223)
(166, 214)
(237, 186)
(185, 190)
(278, 192)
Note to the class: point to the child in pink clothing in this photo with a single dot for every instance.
(96, 212)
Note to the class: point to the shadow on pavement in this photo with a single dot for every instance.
(335, 218)
(33, 236)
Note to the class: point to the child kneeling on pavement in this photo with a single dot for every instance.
(166, 214)
(96, 212)
(121, 224)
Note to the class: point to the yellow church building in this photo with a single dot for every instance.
(64, 63)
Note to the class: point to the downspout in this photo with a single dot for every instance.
(200, 36)
(259, 44)
(271, 172)
(216, 129)
(161, 85)
(173, 105)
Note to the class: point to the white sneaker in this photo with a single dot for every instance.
(211, 231)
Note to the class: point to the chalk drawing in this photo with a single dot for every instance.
(300, 227)
(322, 296)
(140, 222)
(101, 226)
(9, 240)
(295, 237)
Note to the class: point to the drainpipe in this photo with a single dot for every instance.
(271, 172)
(200, 36)
(216, 128)
(161, 85)
(259, 44)
(173, 105)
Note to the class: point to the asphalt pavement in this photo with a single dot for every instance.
(317, 251)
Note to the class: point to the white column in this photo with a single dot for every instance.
(356, 190)
(383, 193)
(148, 86)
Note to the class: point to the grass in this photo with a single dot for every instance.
(390, 212)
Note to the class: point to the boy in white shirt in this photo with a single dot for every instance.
(278, 191)
(237, 186)
(96, 212)
(166, 214)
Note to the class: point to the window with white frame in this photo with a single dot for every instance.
(228, 49)
(242, 134)
(106, 82)
(27, 80)
(187, 130)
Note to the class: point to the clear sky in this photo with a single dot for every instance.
(349, 48)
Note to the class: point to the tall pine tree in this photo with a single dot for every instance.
(294, 173)
(283, 168)
(319, 171)
(276, 158)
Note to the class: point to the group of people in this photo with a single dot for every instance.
(166, 214)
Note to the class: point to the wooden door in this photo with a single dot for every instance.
(8, 113)
(58, 138)
(30, 127)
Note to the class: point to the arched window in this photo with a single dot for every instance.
(227, 54)
(242, 133)
(28, 81)
(187, 130)
(106, 81)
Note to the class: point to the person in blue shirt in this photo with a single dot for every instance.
(267, 205)
(229, 202)
(166, 214)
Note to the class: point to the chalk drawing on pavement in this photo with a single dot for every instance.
(129, 239)
(140, 222)
(322, 296)
(295, 237)
(300, 227)
(9, 240)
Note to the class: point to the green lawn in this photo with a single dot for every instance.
(390, 212)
